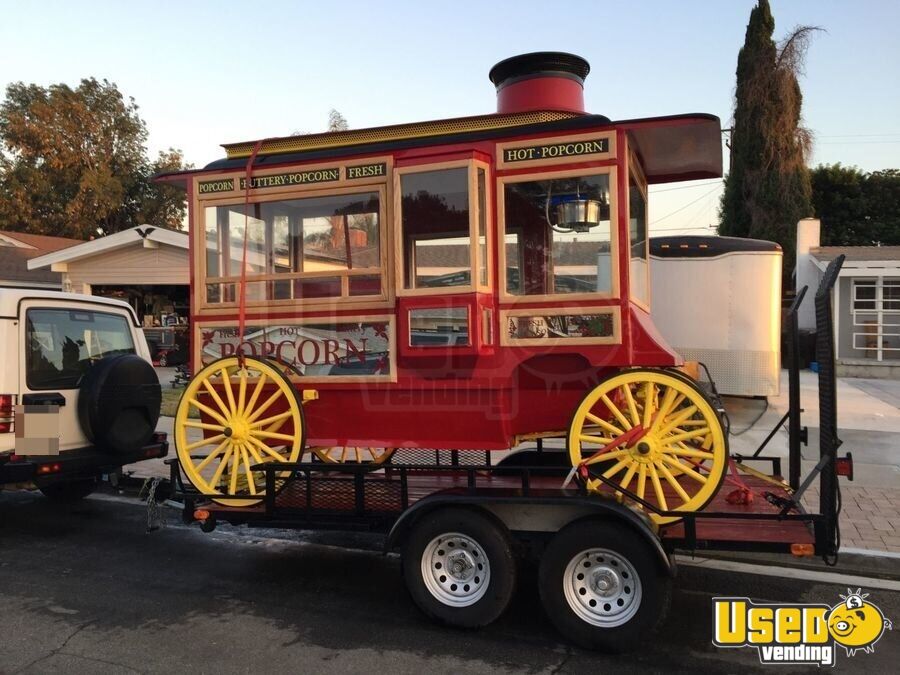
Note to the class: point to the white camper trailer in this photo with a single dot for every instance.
(718, 300)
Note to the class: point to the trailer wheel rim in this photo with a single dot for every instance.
(456, 569)
(665, 440)
(250, 414)
(602, 588)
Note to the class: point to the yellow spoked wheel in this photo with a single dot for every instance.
(653, 433)
(354, 455)
(248, 415)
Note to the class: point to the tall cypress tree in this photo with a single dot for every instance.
(767, 189)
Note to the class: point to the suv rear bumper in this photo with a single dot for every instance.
(70, 464)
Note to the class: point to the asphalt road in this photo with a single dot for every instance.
(87, 590)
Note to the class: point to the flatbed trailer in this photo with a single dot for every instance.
(536, 507)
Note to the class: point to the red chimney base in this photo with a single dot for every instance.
(541, 93)
(540, 81)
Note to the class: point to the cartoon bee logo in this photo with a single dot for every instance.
(856, 624)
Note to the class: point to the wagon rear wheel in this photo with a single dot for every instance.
(653, 433)
(249, 414)
(354, 455)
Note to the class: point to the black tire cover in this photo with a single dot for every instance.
(119, 402)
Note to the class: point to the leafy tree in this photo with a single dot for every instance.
(336, 121)
(767, 189)
(857, 208)
(73, 162)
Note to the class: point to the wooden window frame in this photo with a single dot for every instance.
(500, 240)
(344, 301)
(633, 167)
(474, 286)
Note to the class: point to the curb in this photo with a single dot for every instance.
(851, 561)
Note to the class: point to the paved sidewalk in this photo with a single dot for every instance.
(868, 425)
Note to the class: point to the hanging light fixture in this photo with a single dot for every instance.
(574, 213)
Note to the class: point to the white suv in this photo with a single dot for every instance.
(78, 394)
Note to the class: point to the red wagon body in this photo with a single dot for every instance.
(452, 284)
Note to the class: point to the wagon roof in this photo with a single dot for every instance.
(672, 148)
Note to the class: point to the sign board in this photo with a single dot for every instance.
(326, 349)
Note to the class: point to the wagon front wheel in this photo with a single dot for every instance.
(653, 433)
(235, 414)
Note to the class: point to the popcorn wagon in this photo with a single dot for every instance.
(380, 313)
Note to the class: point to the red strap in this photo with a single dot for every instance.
(630, 437)
(242, 301)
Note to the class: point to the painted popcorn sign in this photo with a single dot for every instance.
(316, 350)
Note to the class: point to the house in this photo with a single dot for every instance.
(146, 266)
(866, 301)
(17, 248)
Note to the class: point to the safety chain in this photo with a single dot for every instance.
(156, 516)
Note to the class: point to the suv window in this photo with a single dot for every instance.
(62, 344)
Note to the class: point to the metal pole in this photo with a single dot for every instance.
(794, 392)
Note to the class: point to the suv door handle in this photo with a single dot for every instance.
(44, 398)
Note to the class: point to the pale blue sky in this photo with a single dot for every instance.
(206, 73)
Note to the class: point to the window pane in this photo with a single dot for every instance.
(482, 230)
(864, 294)
(438, 327)
(365, 285)
(637, 233)
(557, 236)
(316, 234)
(323, 287)
(435, 226)
(560, 326)
(62, 344)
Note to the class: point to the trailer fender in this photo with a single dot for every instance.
(544, 514)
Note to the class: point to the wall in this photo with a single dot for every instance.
(808, 273)
(844, 338)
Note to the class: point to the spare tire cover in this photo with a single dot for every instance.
(119, 402)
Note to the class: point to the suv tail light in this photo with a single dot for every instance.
(7, 413)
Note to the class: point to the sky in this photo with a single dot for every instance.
(206, 73)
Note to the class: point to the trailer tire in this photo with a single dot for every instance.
(477, 555)
(623, 599)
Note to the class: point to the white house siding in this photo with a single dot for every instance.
(132, 266)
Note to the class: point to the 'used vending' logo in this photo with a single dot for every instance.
(799, 634)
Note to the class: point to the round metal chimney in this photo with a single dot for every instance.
(540, 81)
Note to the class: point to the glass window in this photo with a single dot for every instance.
(637, 234)
(435, 228)
(560, 326)
(310, 237)
(62, 344)
(482, 230)
(864, 294)
(557, 236)
(891, 295)
(438, 327)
